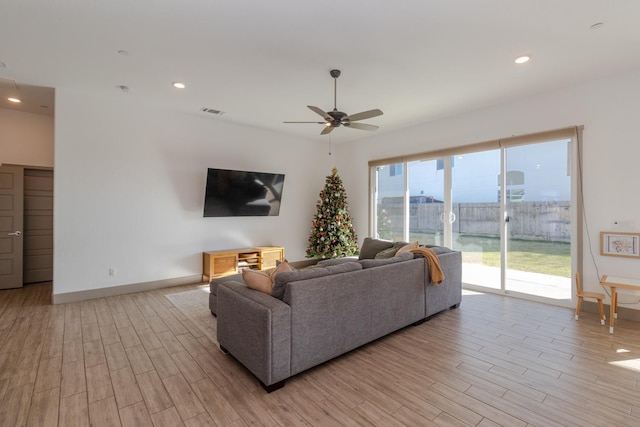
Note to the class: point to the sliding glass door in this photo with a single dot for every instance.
(508, 210)
(538, 212)
(390, 202)
(426, 201)
(476, 207)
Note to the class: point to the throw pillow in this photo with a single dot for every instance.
(387, 253)
(283, 266)
(407, 248)
(263, 280)
(258, 280)
(370, 247)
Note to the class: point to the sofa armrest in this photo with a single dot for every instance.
(255, 328)
(447, 294)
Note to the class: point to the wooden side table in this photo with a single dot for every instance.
(615, 283)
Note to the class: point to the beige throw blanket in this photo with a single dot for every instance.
(437, 276)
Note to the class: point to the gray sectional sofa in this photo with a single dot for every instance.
(320, 312)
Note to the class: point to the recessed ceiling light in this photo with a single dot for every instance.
(123, 52)
(522, 59)
(179, 85)
(597, 25)
(16, 100)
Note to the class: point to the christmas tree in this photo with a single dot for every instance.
(332, 235)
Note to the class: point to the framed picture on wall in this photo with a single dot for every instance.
(620, 244)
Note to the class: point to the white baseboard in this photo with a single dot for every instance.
(124, 289)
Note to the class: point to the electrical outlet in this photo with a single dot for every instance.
(623, 224)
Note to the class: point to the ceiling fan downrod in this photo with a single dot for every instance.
(335, 74)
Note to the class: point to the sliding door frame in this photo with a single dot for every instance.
(573, 133)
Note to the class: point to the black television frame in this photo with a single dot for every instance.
(231, 192)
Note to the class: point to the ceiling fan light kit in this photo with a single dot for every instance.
(335, 118)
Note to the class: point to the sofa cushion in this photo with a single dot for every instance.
(407, 248)
(283, 278)
(213, 285)
(334, 261)
(299, 265)
(369, 263)
(438, 249)
(263, 280)
(371, 246)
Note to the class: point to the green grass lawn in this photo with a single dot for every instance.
(524, 255)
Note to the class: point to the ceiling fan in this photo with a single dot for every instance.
(335, 118)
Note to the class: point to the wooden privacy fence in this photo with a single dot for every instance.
(543, 221)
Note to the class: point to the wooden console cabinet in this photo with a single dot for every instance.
(222, 263)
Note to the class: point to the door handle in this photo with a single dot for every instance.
(451, 219)
(15, 233)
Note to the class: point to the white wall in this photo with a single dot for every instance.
(129, 191)
(608, 108)
(130, 178)
(25, 138)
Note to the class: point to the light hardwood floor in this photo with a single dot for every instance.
(137, 360)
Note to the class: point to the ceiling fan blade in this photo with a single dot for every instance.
(324, 114)
(364, 115)
(318, 123)
(327, 130)
(362, 126)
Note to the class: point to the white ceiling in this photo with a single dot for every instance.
(262, 62)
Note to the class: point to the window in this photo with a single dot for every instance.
(395, 170)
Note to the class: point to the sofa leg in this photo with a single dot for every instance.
(454, 306)
(419, 322)
(213, 314)
(272, 387)
(224, 350)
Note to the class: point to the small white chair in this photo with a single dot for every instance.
(591, 295)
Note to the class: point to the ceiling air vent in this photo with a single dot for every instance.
(212, 111)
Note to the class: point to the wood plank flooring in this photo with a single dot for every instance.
(137, 360)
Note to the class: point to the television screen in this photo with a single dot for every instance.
(242, 193)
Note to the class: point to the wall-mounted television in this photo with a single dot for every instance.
(242, 193)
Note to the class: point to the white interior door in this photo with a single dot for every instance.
(11, 219)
